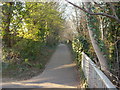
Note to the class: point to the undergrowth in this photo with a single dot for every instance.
(25, 59)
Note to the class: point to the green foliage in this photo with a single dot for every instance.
(80, 45)
(10, 55)
(29, 28)
(43, 19)
(94, 24)
(106, 32)
(38, 65)
(28, 49)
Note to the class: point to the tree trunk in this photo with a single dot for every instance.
(101, 28)
(102, 59)
(6, 25)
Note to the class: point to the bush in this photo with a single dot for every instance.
(80, 44)
(28, 49)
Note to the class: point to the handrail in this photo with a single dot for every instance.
(95, 77)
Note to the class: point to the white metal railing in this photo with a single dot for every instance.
(95, 77)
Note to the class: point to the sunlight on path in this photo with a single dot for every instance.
(60, 72)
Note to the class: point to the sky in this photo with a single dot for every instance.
(0, 4)
(69, 9)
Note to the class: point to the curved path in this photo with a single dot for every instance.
(60, 72)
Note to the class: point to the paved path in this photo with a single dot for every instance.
(60, 72)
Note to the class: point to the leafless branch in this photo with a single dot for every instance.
(91, 13)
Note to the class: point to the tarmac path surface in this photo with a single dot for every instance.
(60, 72)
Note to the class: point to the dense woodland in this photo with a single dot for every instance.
(30, 27)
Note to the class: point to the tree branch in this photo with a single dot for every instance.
(113, 9)
(91, 13)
